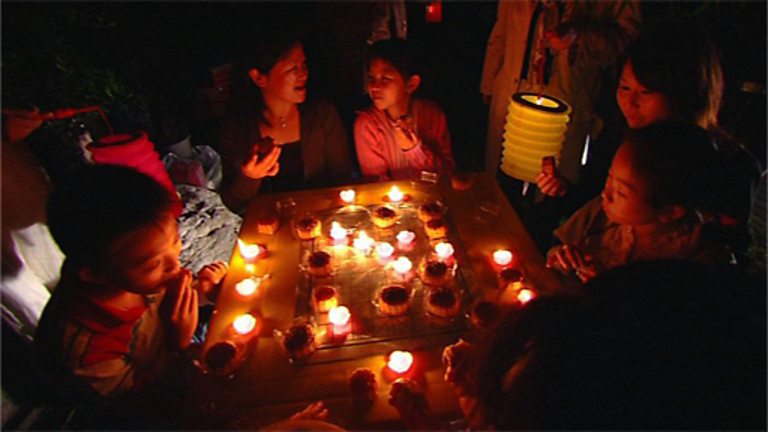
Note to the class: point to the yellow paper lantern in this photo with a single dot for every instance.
(535, 129)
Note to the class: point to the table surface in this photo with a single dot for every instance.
(268, 388)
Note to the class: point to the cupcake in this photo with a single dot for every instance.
(384, 217)
(394, 300)
(429, 211)
(319, 264)
(308, 227)
(363, 385)
(435, 272)
(324, 298)
(443, 302)
(267, 225)
(509, 276)
(436, 228)
(300, 341)
(484, 313)
(222, 358)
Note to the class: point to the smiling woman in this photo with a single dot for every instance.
(273, 138)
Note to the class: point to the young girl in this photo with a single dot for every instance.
(656, 204)
(399, 136)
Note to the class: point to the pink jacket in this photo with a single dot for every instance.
(379, 155)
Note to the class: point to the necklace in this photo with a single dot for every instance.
(281, 121)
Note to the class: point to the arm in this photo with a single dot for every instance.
(494, 52)
(368, 142)
(432, 151)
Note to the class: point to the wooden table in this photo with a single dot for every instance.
(267, 388)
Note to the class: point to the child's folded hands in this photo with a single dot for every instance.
(179, 311)
(569, 258)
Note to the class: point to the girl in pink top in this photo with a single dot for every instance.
(399, 136)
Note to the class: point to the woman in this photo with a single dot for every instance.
(276, 142)
(669, 73)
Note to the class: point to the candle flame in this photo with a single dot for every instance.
(339, 315)
(502, 257)
(247, 287)
(363, 242)
(525, 295)
(400, 361)
(244, 324)
(402, 265)
(347, 195)
(337, 231)
(249, 252)
(405, 237)
(395, 195)
(444, 250)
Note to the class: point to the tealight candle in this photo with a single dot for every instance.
(248, 287)
(347, 195)
(405, 237)
(244, 324)
(502, 257)
(363, 242)
(249, 252)
(402, 265)
(525, 295)
(444, 250)
(384, 250)
(400, 361)
(395, 195)
(250, 268)
(338, 233)
(340, 319)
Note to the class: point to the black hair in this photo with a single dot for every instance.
(677, 160)
(96, 204)
(270, 47)
(681, 62)
(396, 52)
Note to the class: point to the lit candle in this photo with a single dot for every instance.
(248, 287)
(338, 233)
(244, 324)
(249, 252)
(405, 237)
(384, 250)
(340, 318)
(502, 257)
(395, 195)
(347, 195)
(402, 265)
(444, 250)
(400, 361)
(363, 242)
(250, 268)
(525, 295)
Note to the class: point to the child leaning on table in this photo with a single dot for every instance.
(116, 328)
(656, 204)
(399, 135)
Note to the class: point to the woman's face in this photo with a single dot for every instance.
(641, 107)
(287, 80)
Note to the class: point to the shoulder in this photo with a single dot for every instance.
(369, 116)
(428, 107)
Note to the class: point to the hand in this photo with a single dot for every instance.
(209, 276)
(550, 182)
(408, 398)
(179, 311)
(568, 258)
(19, 123)
(313, 411)
(405, 134)
(265, 166)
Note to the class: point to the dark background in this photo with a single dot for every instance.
(120, 55)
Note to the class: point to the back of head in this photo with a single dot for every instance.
(96, 204)
(396, 52)
(680, 61)
(547, 366)
(677, 161)
(690, 340)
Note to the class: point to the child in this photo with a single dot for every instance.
(399, 136)
(124, 309)
(655, 204)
